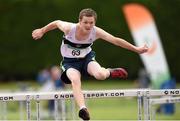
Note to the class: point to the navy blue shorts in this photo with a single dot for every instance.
(79, 64)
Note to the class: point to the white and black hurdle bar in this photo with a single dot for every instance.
(144, 94)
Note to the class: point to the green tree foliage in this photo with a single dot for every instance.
(21, 56)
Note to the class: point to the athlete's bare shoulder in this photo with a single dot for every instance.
(64, 26)
(100, 33)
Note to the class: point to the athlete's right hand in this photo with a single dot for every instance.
(37, 34)
(142, 49)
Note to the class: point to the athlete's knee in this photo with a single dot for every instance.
(76, 83)
(100, 75)
(73, 75)
(75, 80)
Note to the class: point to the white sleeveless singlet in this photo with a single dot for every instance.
(75, 52)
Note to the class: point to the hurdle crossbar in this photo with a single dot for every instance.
(57, 95)
(22, 96)
(165, 100)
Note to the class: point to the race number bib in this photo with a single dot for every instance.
(71, 52)
(76, 52)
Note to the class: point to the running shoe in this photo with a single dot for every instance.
(118, 73)
(84, 114)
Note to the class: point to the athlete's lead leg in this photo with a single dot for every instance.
(75, 77)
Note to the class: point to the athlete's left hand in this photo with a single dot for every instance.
(142, 49)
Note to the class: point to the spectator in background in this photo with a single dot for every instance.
(55, 74)
(50, 78)
(143, 79)
(43, 76)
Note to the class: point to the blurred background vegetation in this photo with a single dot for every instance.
(21, 57)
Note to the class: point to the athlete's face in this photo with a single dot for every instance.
(87, 23)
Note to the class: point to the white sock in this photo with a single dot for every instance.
(82, 107)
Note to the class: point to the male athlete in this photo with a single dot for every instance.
(78, 57)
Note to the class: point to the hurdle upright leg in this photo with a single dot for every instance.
(146, 106)
(63, 109)
(38, 107)
(56, 111)
(139, 99)
(28, 107)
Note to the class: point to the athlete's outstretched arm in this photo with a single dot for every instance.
(62, 25)
(100, 33)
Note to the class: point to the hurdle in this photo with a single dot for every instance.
(163, 100)
(150, 94)
(143, 109)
